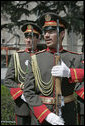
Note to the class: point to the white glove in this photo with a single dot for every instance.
(61, 70)
(23, 98)
(53, 119)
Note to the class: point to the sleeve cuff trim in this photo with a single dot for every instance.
(42, 114)
(82, 94)
(75, 74)
(17, 93)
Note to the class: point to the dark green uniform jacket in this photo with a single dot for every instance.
(33, 90)
(14, 77)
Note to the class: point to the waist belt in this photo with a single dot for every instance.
(51, 100)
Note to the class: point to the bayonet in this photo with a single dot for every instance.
(58, 37)
(32, 41)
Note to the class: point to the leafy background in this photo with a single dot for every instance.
(7, 106)
(73, 12)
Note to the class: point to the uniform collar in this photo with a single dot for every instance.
(27, 50)
(54, 50)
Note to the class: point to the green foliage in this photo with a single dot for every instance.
(74, 13)
(7, 105)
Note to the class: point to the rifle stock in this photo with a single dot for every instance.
(57, 86)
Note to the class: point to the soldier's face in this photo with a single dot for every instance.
(50, 37)
(28, 41)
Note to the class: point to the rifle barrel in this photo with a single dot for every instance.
(32, 42)
(58, 37)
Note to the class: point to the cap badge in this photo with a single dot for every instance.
(29, 27)
(47, 17)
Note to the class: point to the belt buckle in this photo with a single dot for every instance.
(48, 100)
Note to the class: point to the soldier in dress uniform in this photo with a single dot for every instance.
(79, 90)
(50, 102)
(18, 67)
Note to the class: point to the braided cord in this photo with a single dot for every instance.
(45, 88)
(18, 70)
(16, 74)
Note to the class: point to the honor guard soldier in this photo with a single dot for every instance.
(18, 67)
(79, 89)
(49, 87)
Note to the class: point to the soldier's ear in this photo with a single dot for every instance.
(62, 34)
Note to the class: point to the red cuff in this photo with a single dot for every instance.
(81, 92)
(16, 92)
(77, 75)
(41, 112)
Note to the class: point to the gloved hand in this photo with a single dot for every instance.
(53, 119)
(23, 98)
(61, 70)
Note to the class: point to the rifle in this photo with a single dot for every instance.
(59, 97)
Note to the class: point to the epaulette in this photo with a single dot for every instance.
(40, 51)
(21, 51)
(72, 52)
